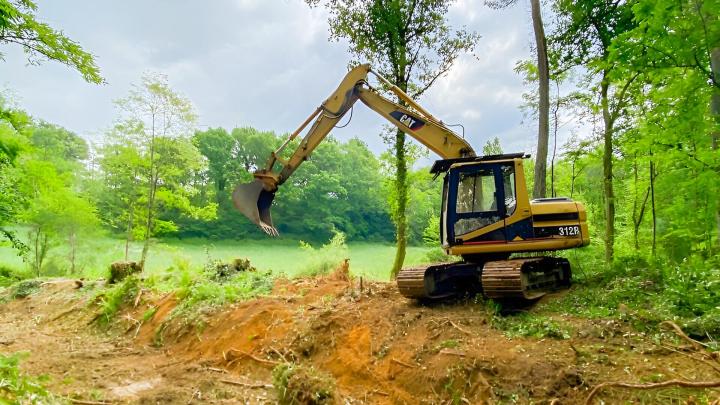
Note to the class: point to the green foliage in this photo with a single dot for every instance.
(492, 147)
(113, 299)
(647, 293)
(19, 25)
(150, 163)
(17, 387)
(299, 384)
(525, 324)
(198, 292)
(325, 259)
(24, 288)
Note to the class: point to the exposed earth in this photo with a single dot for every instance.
(373, 344)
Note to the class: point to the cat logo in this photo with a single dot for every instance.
(409, 121)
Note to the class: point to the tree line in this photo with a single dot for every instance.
(638, 80)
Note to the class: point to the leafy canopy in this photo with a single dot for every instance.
(19, 25)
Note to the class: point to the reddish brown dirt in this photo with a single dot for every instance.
(377, 346)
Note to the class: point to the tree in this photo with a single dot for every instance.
(411, 43)
(674, 37)
(157, 122)
(584, 33)
(543, 70)
(492, 147)
(15, 127)
(19, 25)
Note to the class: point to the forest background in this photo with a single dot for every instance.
(640, 77)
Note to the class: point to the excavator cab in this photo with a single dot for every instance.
(487, 210)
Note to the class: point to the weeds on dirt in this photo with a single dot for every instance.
(114, 298)
(325, 259)
(645, 293)
(199, 294)
(20, 289)
(19, 388)
(525, 324)
(297, 384)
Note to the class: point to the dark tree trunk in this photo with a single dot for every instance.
(608, 171)
(652, 205)
(715, 110)
(540, 187)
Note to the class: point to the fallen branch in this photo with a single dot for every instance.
(247, 385)
(137, 299)
(669, 383)
(276, 351)
(709, 364)
(378, 392)
(402, 363)
(695, 344)
(452, 352)
(244, 353)
(459, 328)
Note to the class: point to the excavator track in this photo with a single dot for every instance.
(516, 279)
(438, 280)
(524, 278)
(411, 282)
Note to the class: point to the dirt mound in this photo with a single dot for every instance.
(373, 345)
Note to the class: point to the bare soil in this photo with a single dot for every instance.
(377, 346)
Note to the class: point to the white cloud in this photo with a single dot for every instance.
(262, 63)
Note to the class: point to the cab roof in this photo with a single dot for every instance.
(444, 165)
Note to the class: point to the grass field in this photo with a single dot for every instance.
(370, 260)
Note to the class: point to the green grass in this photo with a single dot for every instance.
(369, 260)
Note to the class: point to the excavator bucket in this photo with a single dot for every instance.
(254, 202)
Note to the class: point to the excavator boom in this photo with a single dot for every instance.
(255, 198)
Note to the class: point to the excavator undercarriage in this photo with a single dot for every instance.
(525, 278)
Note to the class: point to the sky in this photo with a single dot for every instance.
(261, 63)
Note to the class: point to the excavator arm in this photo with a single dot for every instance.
(254, 199)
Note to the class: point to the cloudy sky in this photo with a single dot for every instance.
(260, 63)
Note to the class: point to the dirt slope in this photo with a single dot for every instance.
(377, 346)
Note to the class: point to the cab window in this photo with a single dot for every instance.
(476, 192)
(508, 175)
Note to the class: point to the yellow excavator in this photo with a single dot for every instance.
(487, 215)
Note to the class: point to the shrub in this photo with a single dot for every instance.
(221, 272)
(19, 388)
(325, 259)
(25, 288)
(114, 298)
(298, 384)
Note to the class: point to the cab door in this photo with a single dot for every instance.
(475, 200)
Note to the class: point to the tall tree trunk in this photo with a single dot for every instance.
(715, 110)
(149, 222)
(152, 182)
(539, 189)
(608, 171)
(128, 235)
(401, 190)
(402, 200)
(652, 204)
(72, 241)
